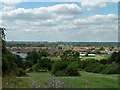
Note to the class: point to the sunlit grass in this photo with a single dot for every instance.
(43, 79)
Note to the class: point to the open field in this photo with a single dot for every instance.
(83, 58)
(55, 58)
(97, 58)
(89, 80)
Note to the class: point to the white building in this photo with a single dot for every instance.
(89, 55)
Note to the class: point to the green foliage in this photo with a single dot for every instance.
(72, 69)
(21, 72)
(43, 53)
(28, 63)
(43, 64)
(59, 66)
(102, 49)
(91, 66)
(103, 61)
(29, 70)
(70, 55)
(111, 69)
(86, 54)
(10, 62)
(84, 63)
(33, 56)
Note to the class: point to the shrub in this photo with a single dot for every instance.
(91, 67)
(103, 61)
(58, 66)
(72, 69)
(111, 69)
(61, 73)
(29, 70)
(21, 72)
(44, 64)
(86, 62)
(98, 68)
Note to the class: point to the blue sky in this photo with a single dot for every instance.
(61, 21)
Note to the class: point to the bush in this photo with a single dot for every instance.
(72, 69)
(61, 73)
(29, 70)
(91, 67)
(21, 72)
(103, 61)
(98, 68)
(59, 66)
(86, 62)
(45, 64)
(111, 69)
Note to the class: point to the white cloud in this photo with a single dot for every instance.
(61, 11)
(93, 5)
(59, 22)
(12, 1)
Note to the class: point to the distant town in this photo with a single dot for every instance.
(57, 48)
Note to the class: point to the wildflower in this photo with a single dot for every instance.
(33, 83)
(36, 87)
(50, 83)
(86, 81)
(85, 86)
(68, 76)
(6, 83)
(56, 83)
(62, 82)
(65, 86)
(53, 85)
(58, 86)
(59, 81)
(70, 81)
(12, 84)
(39, 85)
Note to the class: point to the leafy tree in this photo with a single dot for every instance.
(72, 69)
(44, 64)
(43, 53)
(59, 68)
(10, 62)
(33, 56)
(70, 55)
(102, 49)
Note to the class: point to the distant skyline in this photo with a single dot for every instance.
(60, 21)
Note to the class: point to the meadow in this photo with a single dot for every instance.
(86, 80)
(83, 58)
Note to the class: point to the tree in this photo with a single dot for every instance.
(70, 55)
(33, 56)
(43, 64)
(10, 62)
(43, 53)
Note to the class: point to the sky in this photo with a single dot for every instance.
(60, 21)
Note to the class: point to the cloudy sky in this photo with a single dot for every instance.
(60, 21)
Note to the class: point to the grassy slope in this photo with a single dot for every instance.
(94, 80)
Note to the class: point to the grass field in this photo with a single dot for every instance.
(89, 80)
(55, 58)
(83, 58)
(97, 58)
